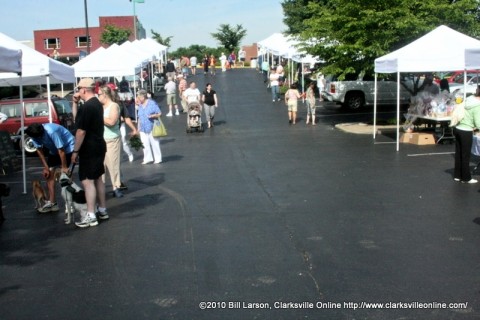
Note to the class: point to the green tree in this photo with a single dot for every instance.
(230, 37)
(114, 34)
(350, 34)
(158, 37)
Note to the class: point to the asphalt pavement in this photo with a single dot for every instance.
(256, 219)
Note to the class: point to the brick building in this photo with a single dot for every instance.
(69, 42)
(251, 52)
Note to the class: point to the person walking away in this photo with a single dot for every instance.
(59, 143)
(464, 136)
(310, 98)
(148, 111)
(205, 62)
(90, 148)
(210, 102)
(184, 64)
(232, 58)
(291, 100)
(274, 85)
(171, 91)
(170, 69)
(212, 63)
(265, 69)
(182, 86)
(322, 84)
(193, 65)
(112, 136)
(241, 57)
(223, 62)
(124, 90)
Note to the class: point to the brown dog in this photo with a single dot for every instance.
(39, 194)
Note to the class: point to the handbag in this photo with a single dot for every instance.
(159, 129)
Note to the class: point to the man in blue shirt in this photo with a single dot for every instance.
(60, 143)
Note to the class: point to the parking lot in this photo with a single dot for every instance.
(256, 219)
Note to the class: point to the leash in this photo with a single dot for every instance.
(70, 170)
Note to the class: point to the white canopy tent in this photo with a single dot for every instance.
(36, 68)
(111, 62)
(442, 49)
(10, 59)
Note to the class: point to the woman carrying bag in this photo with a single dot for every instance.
(148, 111)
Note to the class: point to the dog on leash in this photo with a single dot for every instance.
(73, 195)
(39, 195)
(4, 192)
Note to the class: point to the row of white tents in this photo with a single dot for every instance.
(21, 65)
(443, 49)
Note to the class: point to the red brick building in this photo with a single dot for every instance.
(251, 52)
(69, 42)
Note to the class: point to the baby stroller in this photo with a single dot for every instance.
(194, 117)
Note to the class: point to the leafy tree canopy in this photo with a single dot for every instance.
(230, 37)
(113, 34)
(196, 50)
(158, 37)
(350, 34)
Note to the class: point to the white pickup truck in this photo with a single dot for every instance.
(355, 94)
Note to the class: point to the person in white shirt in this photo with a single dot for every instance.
(241, 56)
(223, 61)
(171, 91)
(192, 94)
(193, 65)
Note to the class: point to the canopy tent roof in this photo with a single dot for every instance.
(277, 43)
(123, 60)
(154, 48)
(112, 62)
(35, 67)
(280, 45)
(10, 59)
(442, 49)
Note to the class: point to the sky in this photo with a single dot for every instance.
(187, 21)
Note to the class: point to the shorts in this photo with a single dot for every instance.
(54, 161)
(292, 106)
(91, 168)
(242, 59)
(171, 98)
(311, 108)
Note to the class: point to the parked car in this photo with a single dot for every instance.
(357, 92)
(35, 110)
(458, 76)
(457, 88)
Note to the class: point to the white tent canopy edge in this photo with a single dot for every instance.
(442, 49)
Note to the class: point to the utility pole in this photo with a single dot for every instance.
(86, 27)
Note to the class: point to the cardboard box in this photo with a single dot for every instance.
(417, 138)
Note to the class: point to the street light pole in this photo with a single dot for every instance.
(86, 27)
(134, 21)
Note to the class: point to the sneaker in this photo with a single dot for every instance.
(130, 158)
(48, 207)
(169, 114)
(123, 186)
(456, 179)
(103, 215)
(177, 113)
(471, 181)
(89, 220)
(273, 100)
(157, 162)
(117, 193)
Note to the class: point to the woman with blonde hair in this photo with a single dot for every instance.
(112, 136)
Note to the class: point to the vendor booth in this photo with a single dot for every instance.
(443, 49)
